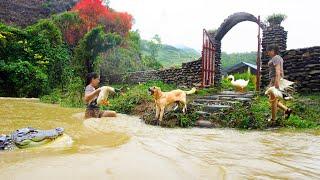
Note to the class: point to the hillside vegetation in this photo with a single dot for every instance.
(170, 56)
(26, 12)
(231, 59)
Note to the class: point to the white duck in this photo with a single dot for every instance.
(104, 94)
(284, 84)
(239, 84)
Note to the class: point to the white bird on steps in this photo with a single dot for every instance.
(239, 84)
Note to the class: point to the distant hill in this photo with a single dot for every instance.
(26, 12)
(171, 56)
(231, 59)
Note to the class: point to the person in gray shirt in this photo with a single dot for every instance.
(90, 97)
(275, 74)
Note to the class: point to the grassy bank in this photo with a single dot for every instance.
(136, 100)
(243, 116)
(306, 114)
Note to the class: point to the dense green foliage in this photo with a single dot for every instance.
(127, 57)
(38, 53)
(71, 96)
(86, 53)
(22, 79)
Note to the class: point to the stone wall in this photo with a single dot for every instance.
(274, 34)
(141, 76)
(217, 70)
(303, 67)
(300, 65)
(188, 75)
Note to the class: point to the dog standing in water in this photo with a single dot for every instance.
(165, 99)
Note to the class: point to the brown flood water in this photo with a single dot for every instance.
(125, 148)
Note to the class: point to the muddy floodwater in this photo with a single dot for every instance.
(126, 148)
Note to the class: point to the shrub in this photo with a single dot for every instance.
(73, 97)
(14, 44)
(187, 120)
(41, 45)
(276, 18)
(296, 122)
(49, 51)
(306, 108)
(47, 31)
(22, 79)
(54, 97)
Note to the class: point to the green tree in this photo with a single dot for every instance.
(86, 54)
(154, 45)
(49, 51)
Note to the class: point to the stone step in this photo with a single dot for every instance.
(204, 124)
(211, 108)
(242, 99)
(214, 101)
(228, 96)
(214, 104)
(203, 114)
(235, 93)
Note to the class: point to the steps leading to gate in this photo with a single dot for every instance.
(217, 103)
(211, 108)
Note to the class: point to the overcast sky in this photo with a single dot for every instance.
(180, 22)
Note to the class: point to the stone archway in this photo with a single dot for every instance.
(224, 28)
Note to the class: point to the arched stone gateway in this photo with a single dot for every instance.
(206, 71)
(233, 20)
(224, 28)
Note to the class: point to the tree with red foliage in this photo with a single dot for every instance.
(94, 13)
(71, 26)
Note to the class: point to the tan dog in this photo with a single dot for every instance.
(165, 99)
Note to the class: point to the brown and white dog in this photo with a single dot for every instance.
(166, 99)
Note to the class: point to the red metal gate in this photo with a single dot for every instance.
(208, 60)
